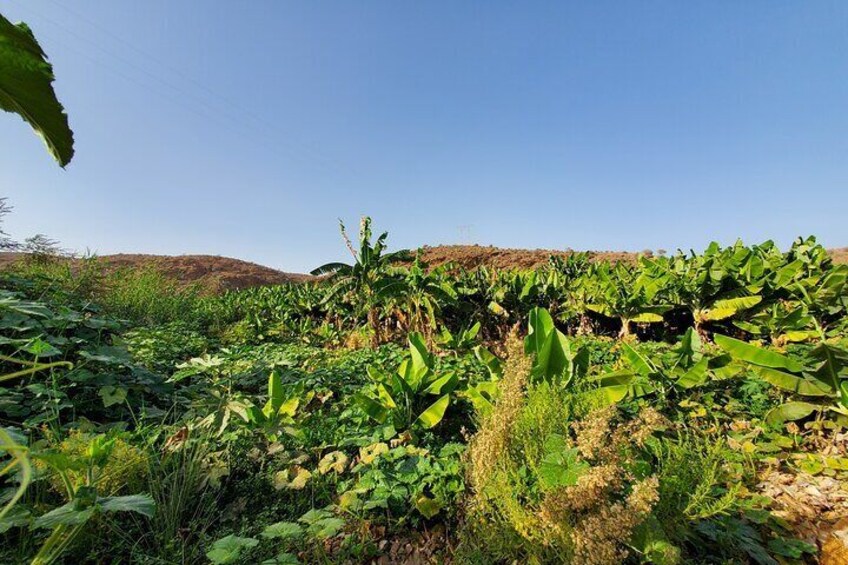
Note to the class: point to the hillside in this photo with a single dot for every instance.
(472, 256)
(211, 271)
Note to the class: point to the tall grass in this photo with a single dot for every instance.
(146, 296)
(186, 507)
(142, 295)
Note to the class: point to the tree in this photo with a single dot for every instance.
(6, 242)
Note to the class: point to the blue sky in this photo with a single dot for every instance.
(247, 128)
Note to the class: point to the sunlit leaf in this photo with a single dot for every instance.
(26, 89)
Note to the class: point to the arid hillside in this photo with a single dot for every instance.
(471, 256)
(211, 271)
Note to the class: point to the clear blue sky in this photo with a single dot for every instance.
(246, 128)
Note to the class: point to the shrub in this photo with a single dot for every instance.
(161, 348)
(555, 478)
(125, 471)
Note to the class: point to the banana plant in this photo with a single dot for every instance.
(821, 379)
(628, 296)
(824, 295)
(555, 358)
(781, 322)
(358, 282)
(512, 293)
(404, 398)
(278, 414)
(711, 285)
(577, 300)
(686, 367)
(416, 296)
(461, 341)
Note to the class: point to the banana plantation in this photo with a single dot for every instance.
(670, 409)
(658, 409)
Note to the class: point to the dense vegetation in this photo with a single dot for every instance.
(676, 409)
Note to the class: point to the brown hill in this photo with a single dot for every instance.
(210, 271)
(839, 254)
(472, 256)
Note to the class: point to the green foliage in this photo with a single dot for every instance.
(694, 482)
(554, 356)
(228, 549)
(403, 480)
(823, 374)
(146, 296)
(404, 398)
(561, 465)
(161, 348)
(463, 340)
(686, 367)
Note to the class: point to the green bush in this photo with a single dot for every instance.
(146, 296)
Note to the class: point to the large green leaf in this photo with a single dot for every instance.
(688, 347)
(647, 318)
(560, 466)
(329, 268)
(26, 89)
(66, 515)
(282, 530)
(414, 369)
(790, 411)
(275, 392)
(385, 397)
(434, 413)
(651, 541)
(615, 393)
(639, 363)
(695, 376)
(228, 549)
(475, 394)
(492, 363)
(791, 383)
(373, 408)
(726, 308)
(757, 355)
(443, 385)
(138, 503)
(831, 369)
(540, 326)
